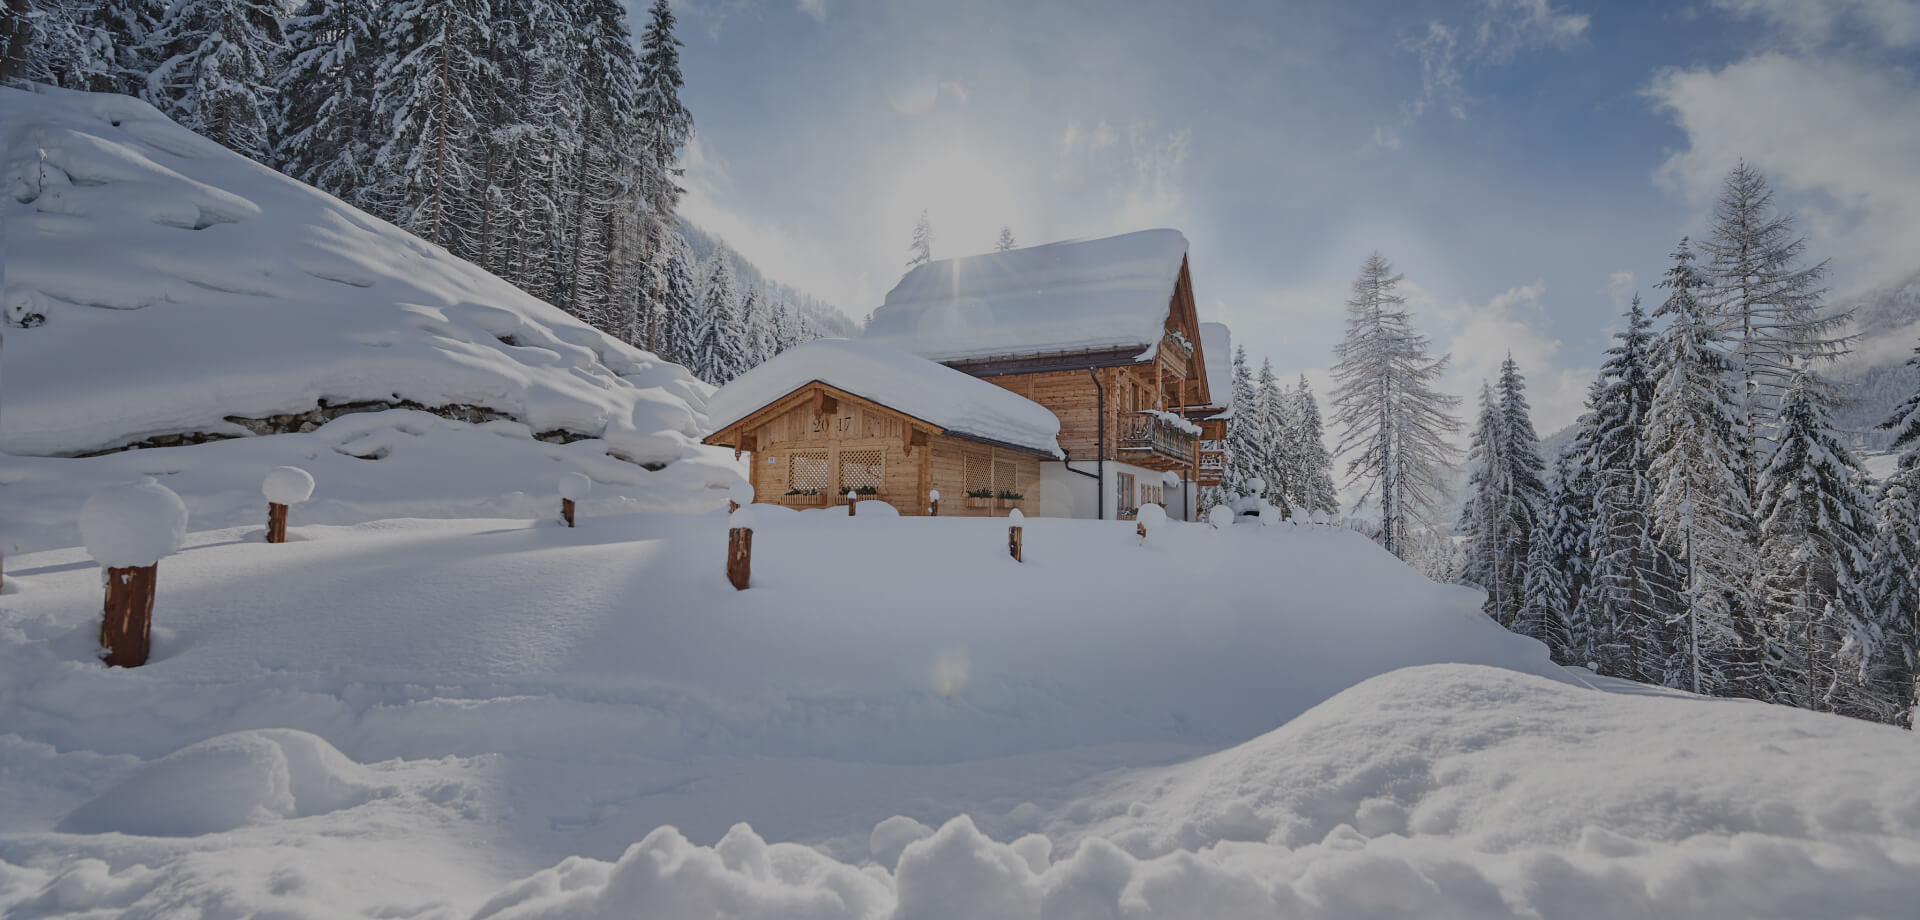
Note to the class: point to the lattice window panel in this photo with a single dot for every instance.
(1003, 479)
(859, 468)
(979, 473)
(807, 469)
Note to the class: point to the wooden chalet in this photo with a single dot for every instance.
(1104, 334)
(833, 416)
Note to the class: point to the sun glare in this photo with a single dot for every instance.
(966, 197)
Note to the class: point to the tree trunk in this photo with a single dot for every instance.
(276, 522)
(16, 36)
(128, 618)
(740, 557)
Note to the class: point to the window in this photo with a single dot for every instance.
(862, 469)
(979, 473)
(1124, 482)
(1151, 494)
(807, 471)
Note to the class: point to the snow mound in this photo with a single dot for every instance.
(187, 290)
(228, 782)
(961, 404)
(575, 486)
(133, 524)
(1440, 791)
(1082, 294)
(287, 485)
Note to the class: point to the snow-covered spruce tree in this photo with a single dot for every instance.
(1570, 532)
(324, 97)
(92, 45)
(1246, 434)
(1005, 242)
(1635, 589)
(432, 90)
(1558, 555)
(1769, 305)
(1816, 534)
(1543, 605)
(719, 354)
(1275, 432)
(606, 179)
(1892, 669)
(1524, 500)
(665, 124)
(213, 70)
(1700, 507)
(920, 249)
(681, 318)
(1480, 514)
(1315, 465)
(1393, 421)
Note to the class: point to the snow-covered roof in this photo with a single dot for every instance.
(1216, 343)
(1071, 296)
(182, 284)
(963, 405)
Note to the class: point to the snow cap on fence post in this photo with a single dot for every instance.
(1150, 517)
(287, 485)
(1220, 516)
(1269, 514)
(933, 499)
(852, 500)
(133, 524)
(128, 528)
(739, 495)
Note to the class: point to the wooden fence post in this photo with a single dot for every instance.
(126, 628)
(276, 522)
(852, 500)
(566, 511)
(739, 557)
(1014, 534)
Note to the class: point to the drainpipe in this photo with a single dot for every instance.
(1100, 449)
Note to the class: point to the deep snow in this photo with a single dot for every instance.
(179, 284)
(438, 718)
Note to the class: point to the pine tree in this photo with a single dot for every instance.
(1770, 308)
(1700, 504)
(1246, 435)
(1890, 671)
(1393, 420)
(1506, 500)
(1816, 532)
(1544, 605)
(324, 97)
(665, 124)
(93, 46)
(720, 352)
(1480, 515)
(1558, 569)
(680, 303)
(921, 248)
(1314, 464)
(1635, 593)
(214, 70)
(1274, 432)
(432, 89)
(1006, 240)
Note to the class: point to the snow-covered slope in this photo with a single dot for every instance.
(170, 287)
(593, 684)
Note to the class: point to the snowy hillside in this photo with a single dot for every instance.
(161, 288)
(1887, 323)
(430, 718)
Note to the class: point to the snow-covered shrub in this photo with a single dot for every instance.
(287, 485)
(1270, 514)
(1220, 516)
(133, 524)
(1151, 517)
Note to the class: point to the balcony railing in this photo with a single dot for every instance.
(1213, 462)
(1159, 435)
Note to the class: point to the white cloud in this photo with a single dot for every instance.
(1481, 336)
(1138, 177)
(815, 8)
(1497, 31)
(1811, 23)
(1839, 136)
(800, 261)
(1621, 286)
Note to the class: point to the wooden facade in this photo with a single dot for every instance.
(811, 446)
(1078, 386)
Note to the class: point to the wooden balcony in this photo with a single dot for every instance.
(1213, 463)
(1151, 440)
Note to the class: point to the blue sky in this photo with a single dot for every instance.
(1526, 163)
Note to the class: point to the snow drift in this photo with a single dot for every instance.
(162, 286)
